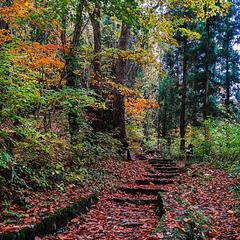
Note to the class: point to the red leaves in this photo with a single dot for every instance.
(108, 220)
(207, 192)
(42, 204)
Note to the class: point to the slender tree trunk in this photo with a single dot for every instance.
(95, 20)
(227, 83)
(159, 116)
(158, 127)
(121, 78)
(183, 103)
(146, 127)
(164, 121)
(71, 80)
(206, 94)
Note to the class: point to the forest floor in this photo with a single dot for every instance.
(199, 198)
(196, 201)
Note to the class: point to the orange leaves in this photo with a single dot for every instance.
(109, 87)
(19, 9)
(46, 61)
(4, 36)
(43, 59)
(138, 105)
(37, 56)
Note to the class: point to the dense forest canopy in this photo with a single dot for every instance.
(84, 82)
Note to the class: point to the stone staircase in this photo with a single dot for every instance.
(147, 189)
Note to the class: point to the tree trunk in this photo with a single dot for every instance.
(121, 78)
(71, 80)
(184, 96)
(164, 121)
(95, 20)
(100, 115)
(206, 94)
(227, 83)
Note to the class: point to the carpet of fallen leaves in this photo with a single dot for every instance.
(201, 187)
(208, 190)
(204, 188)
(40, 205)
(108, 220)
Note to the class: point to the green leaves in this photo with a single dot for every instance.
(4, 160)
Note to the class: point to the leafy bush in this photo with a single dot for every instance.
(97, 147)
(219, 140)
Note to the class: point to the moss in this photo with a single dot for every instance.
(53, 222)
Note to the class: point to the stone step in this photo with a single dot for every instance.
(153, 181)
(169, 171)
(141, 157)
(166, 168)
(160, 161)
(163, 164)
(147, 191)
(161, 176)
(151, 171)
(135, 201)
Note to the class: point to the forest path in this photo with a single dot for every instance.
(133, 210)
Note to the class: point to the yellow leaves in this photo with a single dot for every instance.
(205, 9)
(135, 106)
(180, 227)
(57, 63)
(189, 34)
(140, 55)
(37, 56)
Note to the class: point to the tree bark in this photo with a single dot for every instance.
(206, 94)
(121, 78)
(71, 80)
(184, 96)
(95, 21)
(227, 82)
(101, 117)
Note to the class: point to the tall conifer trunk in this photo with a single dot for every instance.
(183, 101)
(206, 87)
(227, 81)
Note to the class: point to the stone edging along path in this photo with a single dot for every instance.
(53, 222)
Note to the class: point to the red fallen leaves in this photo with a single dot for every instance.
(42, 204)
(50, 201)
(108, 220)
(208, 192)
